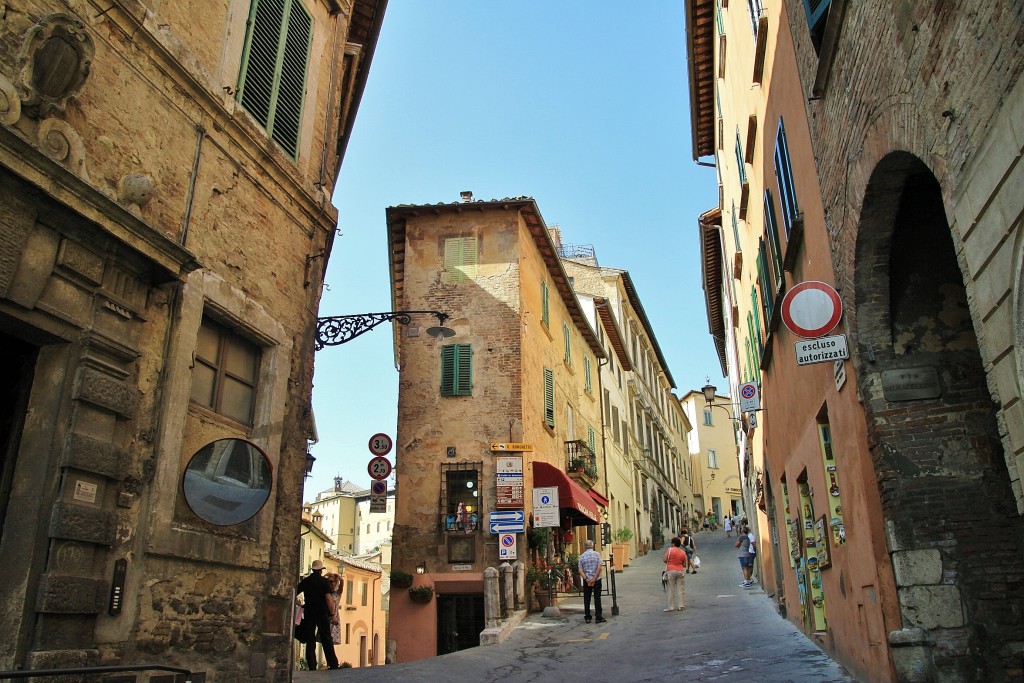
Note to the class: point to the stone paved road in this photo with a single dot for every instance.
(726, 633)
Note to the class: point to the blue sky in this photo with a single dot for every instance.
(582, 105)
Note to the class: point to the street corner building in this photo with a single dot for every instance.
(548, 378)
(869, 159)
(165, 221)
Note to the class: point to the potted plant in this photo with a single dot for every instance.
(540, 578)
(621, 546)
(400, 579)
(421, 594)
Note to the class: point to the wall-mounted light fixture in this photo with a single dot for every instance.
(421, 568)
(338, 329)
(309, 463)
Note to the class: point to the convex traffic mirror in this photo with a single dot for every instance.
(227, 481)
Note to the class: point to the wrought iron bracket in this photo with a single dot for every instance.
(338, 329)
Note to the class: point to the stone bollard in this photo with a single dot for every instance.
(519, 585)
(492, 599)
(507, 593)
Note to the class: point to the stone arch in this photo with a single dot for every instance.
(950, 515)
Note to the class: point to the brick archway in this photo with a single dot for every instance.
(953, 533)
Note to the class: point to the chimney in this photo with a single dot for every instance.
(467, 195)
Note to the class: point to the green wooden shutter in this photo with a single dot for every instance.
(549, 397)
(544, 308)
(587, 383)
(568, 344)
(592, 439)
(272, 83)
(456, 370)
(460, 259)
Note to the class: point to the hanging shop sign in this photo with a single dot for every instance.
(811, 309)
(822, 350)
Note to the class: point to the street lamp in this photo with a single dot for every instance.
(338, 329)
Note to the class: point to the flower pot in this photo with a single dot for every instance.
(421, 596)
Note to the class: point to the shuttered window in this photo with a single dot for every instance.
(588, 384)
(545, 311)
(784, 178)
(549, 397)
(566, 337)
(460, 259)
(272, 83)
(817, 15)
(456, 370)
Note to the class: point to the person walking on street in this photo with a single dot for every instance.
(675, 566)
(728, 527)
(590, 566)
(316, 594)
(746, 558)
(690, 548)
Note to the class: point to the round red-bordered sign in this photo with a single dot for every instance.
(379, 467)
(811, 309)
(380, 444)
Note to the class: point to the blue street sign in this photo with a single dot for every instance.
(506, 521)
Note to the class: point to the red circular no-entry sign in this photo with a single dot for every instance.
(811, 309)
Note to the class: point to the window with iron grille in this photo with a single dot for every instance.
(461, 496)
(272, 79)
(549, 398)
(225, 372)
(456, 370)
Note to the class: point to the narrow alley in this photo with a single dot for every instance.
(726, 633)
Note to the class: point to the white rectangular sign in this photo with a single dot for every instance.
(509, 492)
(545, 506)
(750, 397)
(507, 547)
(821, 350)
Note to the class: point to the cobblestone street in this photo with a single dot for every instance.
(726, 633)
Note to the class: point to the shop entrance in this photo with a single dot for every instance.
(460, 619)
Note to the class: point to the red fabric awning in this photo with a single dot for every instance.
(571, 495)
(598, 498)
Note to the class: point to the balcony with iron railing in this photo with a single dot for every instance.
(581, 463)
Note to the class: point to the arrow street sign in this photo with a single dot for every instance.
(506, 521)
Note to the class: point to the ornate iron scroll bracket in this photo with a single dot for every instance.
(338, 329)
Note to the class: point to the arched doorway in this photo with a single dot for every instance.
(954, 535)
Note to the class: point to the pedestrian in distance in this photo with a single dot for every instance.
(675, 567)
(316, 599)
(746, 558)
(590, 566)
(690, 548)
(728, 527)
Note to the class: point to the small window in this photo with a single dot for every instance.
(588, 384)
(363, 592)
(460, 260)
(741, 168)
(225, 371)
(272, 81)
(545, 311)
(456, 370)
(549, 398)
(566, 337)
(712, 459)
(707, 418)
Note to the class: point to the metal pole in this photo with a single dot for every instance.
(615, 604)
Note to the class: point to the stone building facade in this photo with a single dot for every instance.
(165, 218)
(644, 429)
(898, 182)
(516, 388)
